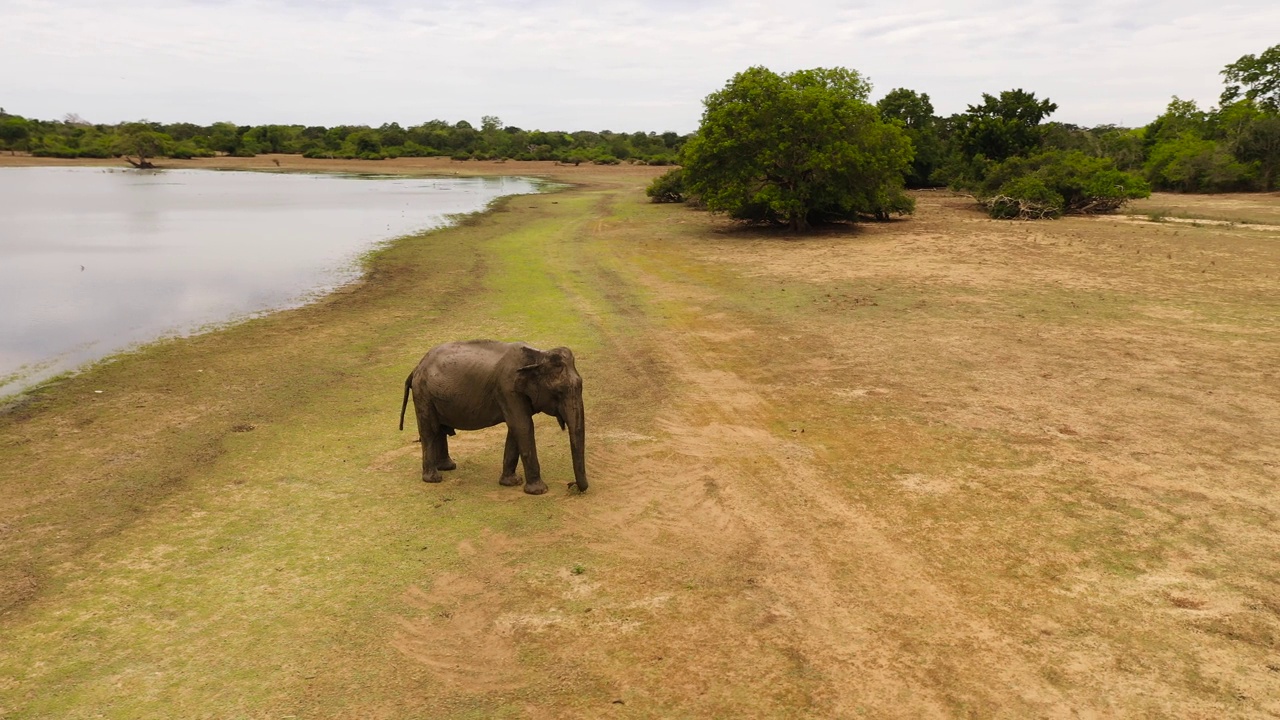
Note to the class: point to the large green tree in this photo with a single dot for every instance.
(1259, 143)
(142, 140)
(1003, 127)
(1255, 78)
(1182, 118)
(915, 112)
(797, 148)
(14, 131)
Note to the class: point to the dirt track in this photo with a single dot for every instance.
(943, 467)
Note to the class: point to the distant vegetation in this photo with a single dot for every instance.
(1002, 149)
(808, 148)
(1017, 168)
(74, 137)
(1232, 147)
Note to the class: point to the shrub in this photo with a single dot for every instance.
(893, 202)
(667, 187)
(1024, 198)
(1189, 164)
(184, 150)
(55, 150)
(96, 150)
(413, 149)
(1055, 183)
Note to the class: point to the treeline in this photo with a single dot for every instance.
(1002, 147)
(73, 137)
(1232, 147)
(1235, 147)
(807, 147)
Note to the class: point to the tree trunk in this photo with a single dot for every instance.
(799, 222)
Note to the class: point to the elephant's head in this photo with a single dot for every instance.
(552, 383)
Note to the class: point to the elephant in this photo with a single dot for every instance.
(479, 383)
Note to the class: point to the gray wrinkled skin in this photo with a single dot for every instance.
(480, 383)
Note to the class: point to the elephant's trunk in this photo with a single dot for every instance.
(578, 443)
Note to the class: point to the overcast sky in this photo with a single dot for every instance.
(622, 66)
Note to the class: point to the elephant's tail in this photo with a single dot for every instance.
(408, 383)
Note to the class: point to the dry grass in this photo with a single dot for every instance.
(1260, 208)
(943, 467)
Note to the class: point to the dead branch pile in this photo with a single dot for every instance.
(1012, 208)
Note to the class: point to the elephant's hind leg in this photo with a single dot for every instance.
(443, 461)
(430, 433)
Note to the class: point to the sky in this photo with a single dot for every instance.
(623, 66)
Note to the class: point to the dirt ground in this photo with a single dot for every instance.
(937, 467)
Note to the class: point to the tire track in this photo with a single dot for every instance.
(847, 601)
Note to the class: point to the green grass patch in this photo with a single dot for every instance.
(236, 569)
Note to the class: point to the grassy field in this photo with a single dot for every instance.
(938, 467)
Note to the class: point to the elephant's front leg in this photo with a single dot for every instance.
(522, 427)
(510, 456)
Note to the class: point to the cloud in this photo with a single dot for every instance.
(565, 64)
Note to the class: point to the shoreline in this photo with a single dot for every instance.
(165, 421)
(359, 262)
(549, 176)
(435, 166)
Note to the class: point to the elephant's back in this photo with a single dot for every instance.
(467, 354)
(462, 379)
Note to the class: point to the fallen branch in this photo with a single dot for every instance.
(141, 164)
(1011, 208)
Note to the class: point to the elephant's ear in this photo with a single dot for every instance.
(535, 359)
(532, 358)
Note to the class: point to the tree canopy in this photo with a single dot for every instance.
(13, 131)
(74, 137)
(797, 148)
(1002, 127)
(139, 139)
(912, 109)
(914, 112)
(1255, 78)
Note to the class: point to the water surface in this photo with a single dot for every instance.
(95, 260)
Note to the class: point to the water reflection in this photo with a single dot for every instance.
(93, 260)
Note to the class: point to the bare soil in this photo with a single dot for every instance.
(937, 467)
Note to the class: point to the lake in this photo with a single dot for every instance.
(97, 260)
